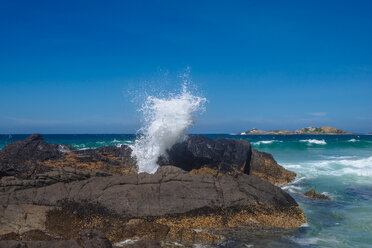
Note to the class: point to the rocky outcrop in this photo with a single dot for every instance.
(33, 156)
(223, 155)
(202, 155)
(171, 199)
(198, 154)
(305, 130)
(87, 239)
(312, 194)
(108, 159)
(265, 167)
(255, 131)
(24, 158)
(320, 130)
(69, 191)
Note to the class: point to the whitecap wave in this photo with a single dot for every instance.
(314, 141)
(339, 166)
(353, 140)
(265, 142)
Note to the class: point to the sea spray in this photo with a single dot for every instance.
(165, 122)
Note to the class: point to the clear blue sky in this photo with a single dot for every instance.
(67, 66)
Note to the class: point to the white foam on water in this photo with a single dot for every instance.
(315, 240)
(292, 188)
(165, 122)
(265, 142)
(305, 225)
(314, 141)
(353, 140)
(337, 166)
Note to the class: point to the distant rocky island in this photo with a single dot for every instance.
(306, 130)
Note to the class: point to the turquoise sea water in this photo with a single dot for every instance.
(339, 166)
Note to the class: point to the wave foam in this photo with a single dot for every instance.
(353, 140)
(335, 167)
(314, 141)
(165, 123)
(265, 142)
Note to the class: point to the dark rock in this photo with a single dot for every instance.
(169, 191)
(62, 193)
(225, 155)
(312, 194)
(93, 239)
(88, 239)
(198, 154)
(202, 155)
(10, 236)
(26, 158)
(21, 158)
(40, 244)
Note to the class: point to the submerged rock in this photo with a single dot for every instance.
(312, 194)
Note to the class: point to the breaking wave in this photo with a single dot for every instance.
(334, 167)
(265, 142)
(165, 122)
(314, 141)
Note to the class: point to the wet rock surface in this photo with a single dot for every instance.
(312, 194)
(215, 187)
(87, 239)
(266, 168)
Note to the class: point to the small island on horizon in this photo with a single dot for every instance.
(305, 130)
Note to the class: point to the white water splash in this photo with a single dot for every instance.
(314, 141)
(165, 122)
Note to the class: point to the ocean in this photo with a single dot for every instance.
(339, 166)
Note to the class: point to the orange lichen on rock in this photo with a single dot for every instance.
(95, 160)
(204, 171)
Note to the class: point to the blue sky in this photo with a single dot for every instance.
(74, 66)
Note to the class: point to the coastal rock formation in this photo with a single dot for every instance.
(100, 189)
(312, 194)
(320, 130)
(255, 131)
(172, 199)
(266, 168)
(23, 158)
(200, 154)
(306, 130)
(87, 239)
(33, 155)
(223, 155)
